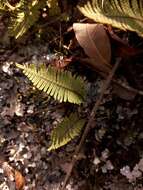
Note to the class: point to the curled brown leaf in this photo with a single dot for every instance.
(95, 42)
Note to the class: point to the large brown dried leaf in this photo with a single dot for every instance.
(95, 42)
(103, 69)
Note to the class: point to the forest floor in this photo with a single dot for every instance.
(112, 155)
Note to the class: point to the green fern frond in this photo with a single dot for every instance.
(54, 9)
(69, 128)
(59, 84)
(123, 14)
(26, 13)
(3, 7)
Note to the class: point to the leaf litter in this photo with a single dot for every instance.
(26, 123)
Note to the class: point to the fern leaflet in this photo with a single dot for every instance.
(3, 7)
(69, 128)
(26, 13)
(59, 84)
(53, 8)
(123, 14)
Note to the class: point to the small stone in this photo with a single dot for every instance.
(105, 154)
(1, 171)
(96, 161)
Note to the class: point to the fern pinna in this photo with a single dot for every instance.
(57, 83)
(2, 7)
(68, 129)
(25, 14)
(123, 14)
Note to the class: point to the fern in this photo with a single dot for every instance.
(2, 7)
(59, 84)
(53, 8)
(123, 14)
(66, 131)
(26, 13)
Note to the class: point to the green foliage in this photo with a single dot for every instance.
(59, 84)
(2, 7)
(53, 7)
(69, 128)
(26, 13)
(5, 6)
(123, 14)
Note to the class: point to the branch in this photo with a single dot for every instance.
(91, 119)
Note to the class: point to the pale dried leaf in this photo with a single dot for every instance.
(8, 170)
(103, 69)
(95, 42)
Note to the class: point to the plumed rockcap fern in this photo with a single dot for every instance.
(25, 14)
(123, 14)
(2, 6)
(57, 83)
(53, 7)
(68, 129)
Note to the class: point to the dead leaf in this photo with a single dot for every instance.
(8, 170)
(65, 166)
(121, 47)
(123, 92)
(13, 175)
(103, 69)
(95, 42)
(19, 180)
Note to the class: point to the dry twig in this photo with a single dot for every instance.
(91, 119)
